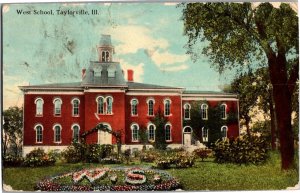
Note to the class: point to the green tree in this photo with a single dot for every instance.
(12, 130)
(143, 137)
(240, 36)
(159, 120)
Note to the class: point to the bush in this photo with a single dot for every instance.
(242, 150)
(96, 152)
(12, 161)
(74, 153)
(203, 153)
(110, 160)
(179, 159)
(148, 155)
(38, 157)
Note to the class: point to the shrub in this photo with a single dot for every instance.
(12, 161)
(184, 160)
(94, 153)
(242, 150)
(148, 155)
(38, 157)
(74, 153)
(110, 160)
(179, 159)
(127, 153)
(203, 153)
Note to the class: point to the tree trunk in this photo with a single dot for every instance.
(273, 125)
(283, 110)
(247, 122)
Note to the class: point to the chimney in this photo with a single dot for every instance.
(130, 75)
(83, 73)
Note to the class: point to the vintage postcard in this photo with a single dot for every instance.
(140, 96)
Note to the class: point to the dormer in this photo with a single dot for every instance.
(111, 70)
(105, 49)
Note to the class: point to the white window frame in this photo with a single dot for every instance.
(131, 107)
(54, 129)
(73, 133)
(223, 111)
(148, 105)
(103, 106)
(105, 56)
(187, 106)
(132, 134)
(106, 102)
(168, 140)
(37, 113)
(154, 131)
(204, 112)
(165, 107)
(222, 128)
(73, 107)
(36, 133)
(205, 138)
(55, 108)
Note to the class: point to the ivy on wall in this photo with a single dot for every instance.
(213, 123)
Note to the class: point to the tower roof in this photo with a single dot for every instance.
(105, 40)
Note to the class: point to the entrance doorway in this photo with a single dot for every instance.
(104, 137)
(187, 136)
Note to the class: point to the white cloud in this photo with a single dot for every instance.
(134, 37)
(171, 4)
(160, 58)
(175, 68)
(12, 95)
(138, 75)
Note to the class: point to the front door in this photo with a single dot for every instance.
(187, 136)
(187, 139)
(104, 137)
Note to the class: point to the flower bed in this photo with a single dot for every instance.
(113, 179)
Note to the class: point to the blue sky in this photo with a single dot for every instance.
(148, 38)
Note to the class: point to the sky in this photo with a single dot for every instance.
(148, 38)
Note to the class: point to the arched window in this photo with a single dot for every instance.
(150, 107)
(205, 134)
(100, 105)
(57, 133)
(105, 56)
(151, 132)
(57, 106)
(134, 107)
(168, 134)
(223, 111)
(204, 108)
(39, 133)
(109, 105)
(224, 132)
(75, 109)
(187, 109)
(167, 105)
(39, 106)
(135, 132)
(75, 129)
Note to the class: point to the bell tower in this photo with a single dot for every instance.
(105, 49)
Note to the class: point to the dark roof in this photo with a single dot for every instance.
(205, 92)
(103, 79)
(61, 85)
(137, 85)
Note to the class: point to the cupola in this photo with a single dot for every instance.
(105, 49)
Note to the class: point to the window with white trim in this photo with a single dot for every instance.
(168, 133)
(75, 129)
(105, 56)
(57, 106)
(135, 132)
(187, 109)
(100, 105)
(224, 130)
(75, 107)
(223, 111)
(151, 132)
(205, 134)
(204, 108)
(39, 102)
(57, 133)
(134, 107)
(167, 107)
(39, 133)
(109, 105)
(150, 107)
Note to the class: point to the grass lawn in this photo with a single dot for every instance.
(205, 175)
